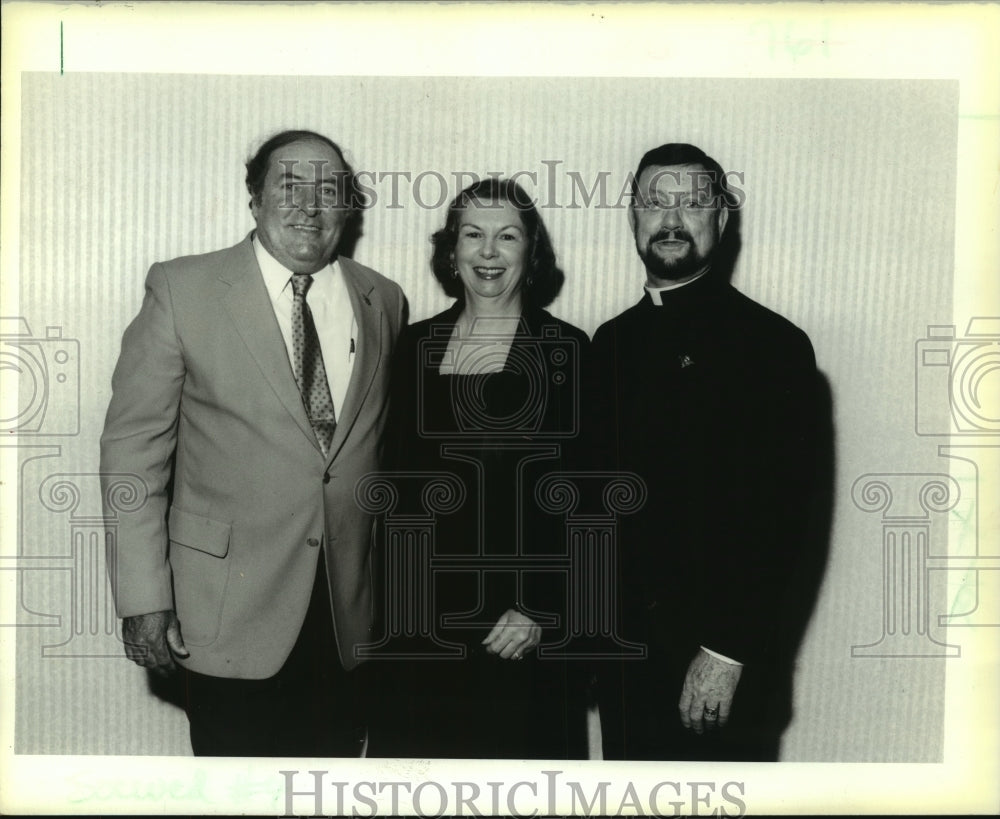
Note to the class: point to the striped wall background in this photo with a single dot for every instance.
(848, 230)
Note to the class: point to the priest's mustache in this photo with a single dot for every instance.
(672, 235)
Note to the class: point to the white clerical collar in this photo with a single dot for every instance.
(655, 293)
(276, 275)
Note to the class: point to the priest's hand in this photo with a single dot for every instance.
(707, 695)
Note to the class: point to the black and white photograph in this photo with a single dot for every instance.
(500, 409)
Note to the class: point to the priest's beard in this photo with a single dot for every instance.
(675, 268)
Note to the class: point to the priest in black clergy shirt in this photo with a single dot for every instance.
(710, 398)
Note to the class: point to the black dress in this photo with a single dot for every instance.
(466, 452)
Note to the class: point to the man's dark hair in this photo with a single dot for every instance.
(260, 162)
(680, 153)
(542, 277)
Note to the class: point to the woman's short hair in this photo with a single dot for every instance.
(542, 277)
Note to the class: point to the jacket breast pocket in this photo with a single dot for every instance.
(199, 549)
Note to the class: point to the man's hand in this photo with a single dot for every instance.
(150, 639)
(513, 635)
(708, 692)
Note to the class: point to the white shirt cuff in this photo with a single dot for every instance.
(722, 657)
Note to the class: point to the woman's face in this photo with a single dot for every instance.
(490, 254)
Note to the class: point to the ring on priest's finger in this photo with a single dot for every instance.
(711, 713)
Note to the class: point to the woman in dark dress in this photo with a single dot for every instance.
(484, 394)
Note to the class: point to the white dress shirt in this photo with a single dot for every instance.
(332, 313)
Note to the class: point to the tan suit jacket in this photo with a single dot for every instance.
(206, 414)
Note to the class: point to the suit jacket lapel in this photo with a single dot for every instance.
(368, 309)
(250, 308)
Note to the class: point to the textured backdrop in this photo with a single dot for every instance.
(848, 230)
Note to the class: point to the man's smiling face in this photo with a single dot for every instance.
(677, 222)
(302, 208)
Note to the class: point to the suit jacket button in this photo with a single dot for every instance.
(326, 478)
(313, 541)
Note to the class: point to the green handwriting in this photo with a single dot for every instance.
(795, 39)
(165, 789)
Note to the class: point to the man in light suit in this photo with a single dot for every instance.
(249, 397)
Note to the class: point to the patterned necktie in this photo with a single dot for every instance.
(310, 374)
